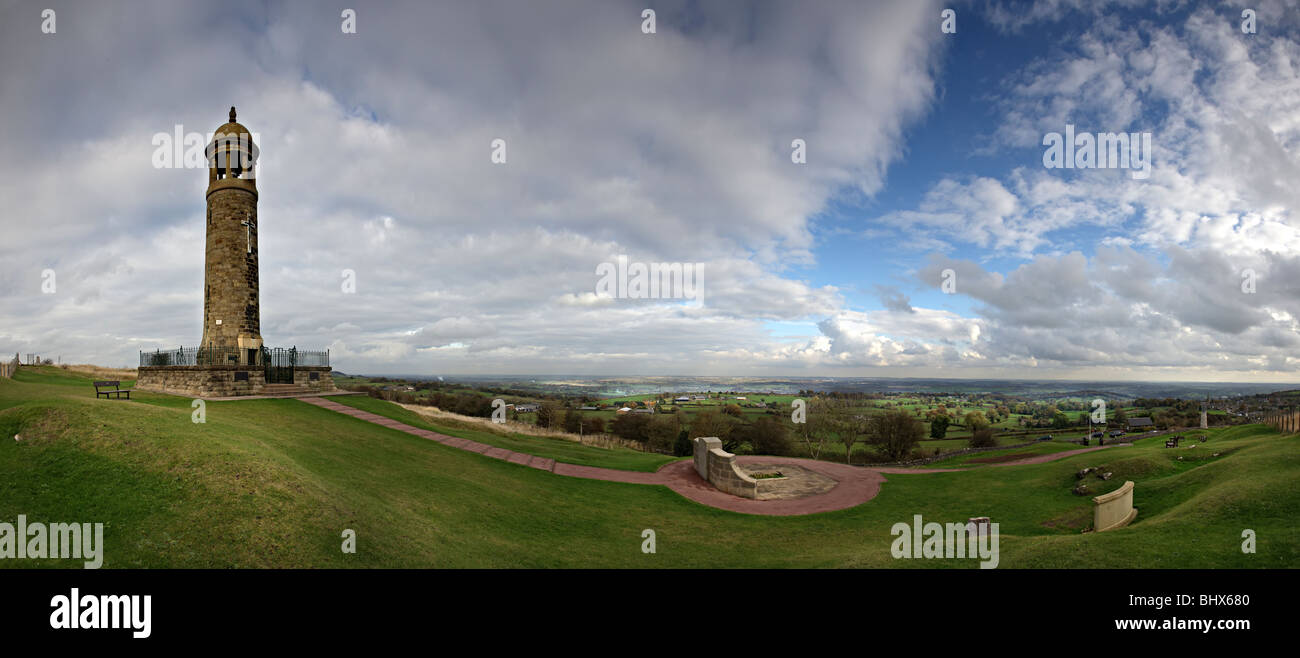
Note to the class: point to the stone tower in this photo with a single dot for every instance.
(231, 319)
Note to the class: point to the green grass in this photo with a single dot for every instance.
(968, 460)
(273, 483)
(558, 449)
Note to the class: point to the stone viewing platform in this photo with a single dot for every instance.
(756, 478)
(217, 373)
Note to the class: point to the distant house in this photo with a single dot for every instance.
(699, 397)
(527, 408)
(624, 410)
(1140, 422)
(682, 399)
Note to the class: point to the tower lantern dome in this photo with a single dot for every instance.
(232, 154)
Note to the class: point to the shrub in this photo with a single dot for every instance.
(768, 436)
(633, 427)
(572, 421)
(711, 423)
(548, 415)
(661, 433)
(939, 427)
(683, 447)
(593, 425)
(895, 433)
(983, 438)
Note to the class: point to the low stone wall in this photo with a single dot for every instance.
(201, 381)
(726, 476)
(225, 381)
(1115, 509)
(702, 447)
(718, 467)
(316, 378)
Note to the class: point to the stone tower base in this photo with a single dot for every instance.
(227, 381)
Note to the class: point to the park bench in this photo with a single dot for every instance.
(113, 389)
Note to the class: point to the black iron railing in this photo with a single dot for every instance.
(204, 356)
(310, 358)
(190, 356)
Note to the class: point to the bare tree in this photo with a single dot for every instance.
(822, 424)
(852, 429)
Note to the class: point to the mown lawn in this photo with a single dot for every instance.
(273, 483)
(558, 449)
(973, 459)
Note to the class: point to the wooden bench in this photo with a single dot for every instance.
(114, 389)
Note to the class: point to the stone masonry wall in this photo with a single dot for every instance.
(702, 447)
(1115, 509)
(230, 285)
(724, 475)
(718, 467)
(205, 382)
(302, 376)
(219, 381)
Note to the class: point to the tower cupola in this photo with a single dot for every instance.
(232, 155)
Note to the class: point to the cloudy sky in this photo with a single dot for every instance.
(924, 166)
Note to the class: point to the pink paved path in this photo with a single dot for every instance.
(856, 484)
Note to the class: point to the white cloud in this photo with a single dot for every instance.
(671, 148)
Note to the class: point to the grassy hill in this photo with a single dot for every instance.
(273, 483)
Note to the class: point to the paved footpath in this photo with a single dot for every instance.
(856, 484)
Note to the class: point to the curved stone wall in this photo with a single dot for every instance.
(726, 476)
(1115, 509)
(718, 467)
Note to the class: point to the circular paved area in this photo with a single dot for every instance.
(855, 485)
(794, 480)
